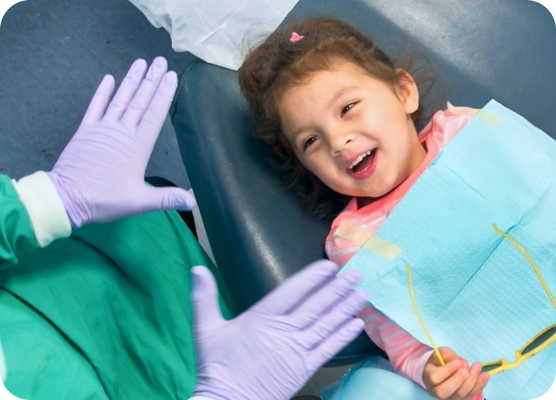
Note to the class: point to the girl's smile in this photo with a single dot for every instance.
(353, 131)
(364, 165)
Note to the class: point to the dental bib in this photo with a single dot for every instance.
(476, 291)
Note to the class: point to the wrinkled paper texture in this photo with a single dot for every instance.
(476, 292)
(219, 32)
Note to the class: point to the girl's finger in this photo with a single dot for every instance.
(482, 381)
(442, 373)
(448, 355)
(464, 392)
(450, 386)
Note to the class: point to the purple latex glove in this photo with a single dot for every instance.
(271, 350)
(100, 173)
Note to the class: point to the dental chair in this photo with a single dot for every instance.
(258, 231)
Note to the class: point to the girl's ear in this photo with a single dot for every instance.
(408, 93)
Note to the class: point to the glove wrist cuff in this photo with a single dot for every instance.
(75, 220)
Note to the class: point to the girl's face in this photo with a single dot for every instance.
(353, 131)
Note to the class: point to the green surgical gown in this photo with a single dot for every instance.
(102, 314)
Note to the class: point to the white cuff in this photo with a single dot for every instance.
(423, 360)
(48, 215)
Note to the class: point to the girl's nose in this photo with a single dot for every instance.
(339, 142)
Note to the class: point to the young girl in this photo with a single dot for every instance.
(342, 119)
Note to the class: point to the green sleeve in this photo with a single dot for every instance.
(16, 232)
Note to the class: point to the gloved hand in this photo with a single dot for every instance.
(271, 350)
(100, 173)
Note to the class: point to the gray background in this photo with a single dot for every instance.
(53, 55)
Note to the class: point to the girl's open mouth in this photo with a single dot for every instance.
(364, 165)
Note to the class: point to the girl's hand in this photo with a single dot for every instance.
(455, 380)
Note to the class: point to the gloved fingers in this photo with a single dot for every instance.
(154, 117)
(133, 114)
(126, 91)
(335, 342)
(99, 102)
(166, 198)
(204, 300)
(331, 294)
(338, 315)
(299, 287)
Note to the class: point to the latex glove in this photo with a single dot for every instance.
(100, 173)
(455, 380)
(271, 350)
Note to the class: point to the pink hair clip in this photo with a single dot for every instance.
(295, 37)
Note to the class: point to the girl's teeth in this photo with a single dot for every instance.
(361, 157)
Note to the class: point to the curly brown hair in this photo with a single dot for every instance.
(277, 64)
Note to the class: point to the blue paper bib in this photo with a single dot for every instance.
(475, 290)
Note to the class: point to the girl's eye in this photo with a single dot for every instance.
(309, 142)
(347, 108)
